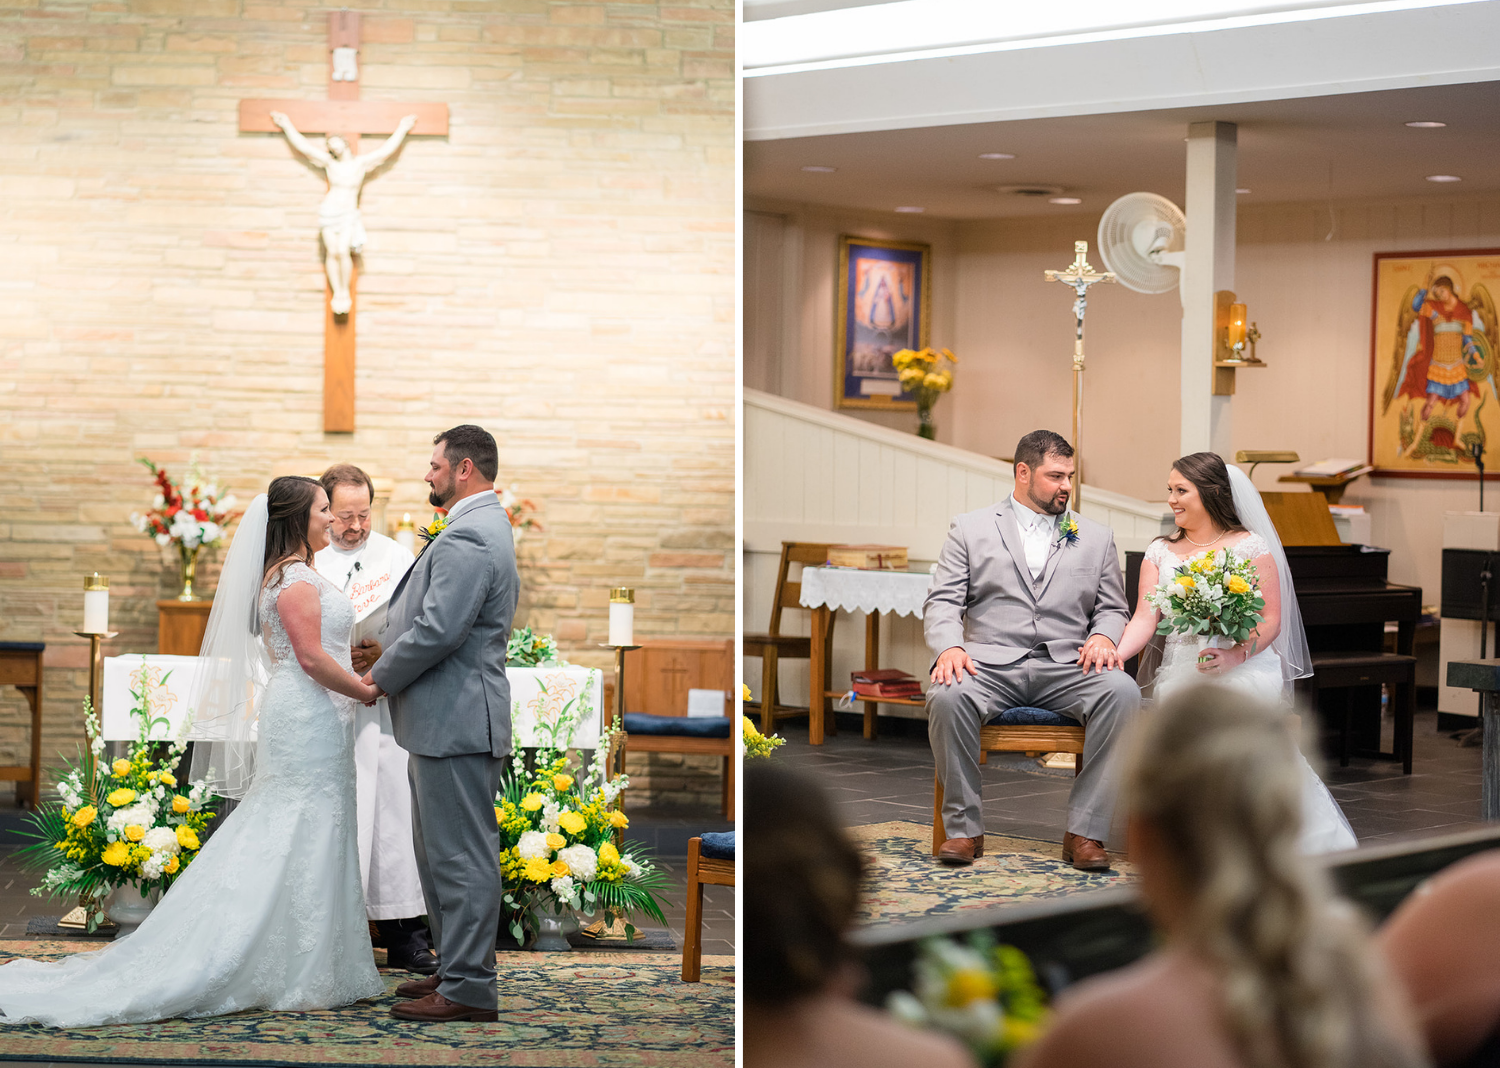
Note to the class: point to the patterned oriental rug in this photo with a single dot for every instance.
(907, 883)
(601, 1009)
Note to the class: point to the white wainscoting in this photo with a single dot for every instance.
(814, 475)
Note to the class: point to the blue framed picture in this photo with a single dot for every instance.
(884, 303)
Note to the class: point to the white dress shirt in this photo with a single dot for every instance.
(473, 498)
(1038, 532)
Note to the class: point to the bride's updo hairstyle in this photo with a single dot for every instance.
(1210, 477)
(1214, 773)
(289, 501)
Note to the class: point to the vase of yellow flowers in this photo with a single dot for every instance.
(926, 374)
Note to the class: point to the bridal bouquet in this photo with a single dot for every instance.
(1212, 594)
(526, 649)
(126, 822)
(984, 994)
(558, 831)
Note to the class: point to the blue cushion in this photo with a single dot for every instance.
(717, 844)
(1031, 717)
(677, 726)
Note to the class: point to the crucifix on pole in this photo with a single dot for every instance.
(1080, 276)
(343, 116)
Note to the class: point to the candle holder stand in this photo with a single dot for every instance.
(617, 757)
(78, 917)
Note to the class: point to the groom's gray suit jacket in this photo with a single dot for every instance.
(984, 599)
(449, 619)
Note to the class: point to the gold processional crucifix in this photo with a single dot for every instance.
(1080, 276)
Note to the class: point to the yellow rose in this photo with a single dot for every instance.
(608, 854)
(116, 854)
(121, 797)
(556, 841)
(135, 832)
(562, 782)
(180, 804)
(532, 802)
(749, 727)
(121, 768)
(84, 816)
(1187, 582)
(618, 819)
(167, 779)
(572, 822)
(172, 866)
(186, 837)
(1238, 585)
(499, 816)
(560, 868)
(537, 870)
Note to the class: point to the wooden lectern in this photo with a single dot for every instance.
(180, 626)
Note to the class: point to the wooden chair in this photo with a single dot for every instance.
(21, 667)
(716, 870)
(1017, 730)
(773, 646)
(658, 677)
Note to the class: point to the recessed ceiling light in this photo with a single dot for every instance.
(911, 210)
(996, 155)
(820, 170)
(1444, 178)
(1242, 190)
(1426, 124)
(1064, 200)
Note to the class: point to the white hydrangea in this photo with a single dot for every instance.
(161, 840)
(532, 844)
(581, 861)
(138, 813)
(153, 866)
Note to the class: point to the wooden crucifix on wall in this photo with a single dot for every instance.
(343, 117)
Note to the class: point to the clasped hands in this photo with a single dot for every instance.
(1218, 661)
(1098, 654)
(363, 657)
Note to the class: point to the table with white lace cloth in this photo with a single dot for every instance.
(900, 593)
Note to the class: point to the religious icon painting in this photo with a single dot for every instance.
(1435, 362)
(884, 303)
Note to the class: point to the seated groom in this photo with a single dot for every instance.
(1026, 609)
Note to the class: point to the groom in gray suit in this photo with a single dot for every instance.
(1026, 610)
(443, 666)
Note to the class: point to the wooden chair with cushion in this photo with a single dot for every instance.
(773, 646)
(710, 862)
(1017, 730)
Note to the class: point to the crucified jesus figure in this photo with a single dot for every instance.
(339, 223)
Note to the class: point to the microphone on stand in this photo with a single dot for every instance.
(1477, 451)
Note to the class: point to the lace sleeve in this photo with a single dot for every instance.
(294, 573)
(1158, 553)
(1251, 546)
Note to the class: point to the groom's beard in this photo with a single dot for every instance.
(1051, 505)
(437, 501)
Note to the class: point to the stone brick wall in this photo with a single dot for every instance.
(559, 269)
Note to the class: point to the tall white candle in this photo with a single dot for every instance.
(96, 604)
(406, 534)
(621, 615)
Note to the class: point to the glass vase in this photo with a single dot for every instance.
(551, 933)
(189, 567)
(926, 428)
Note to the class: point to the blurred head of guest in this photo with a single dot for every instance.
(1262, 965)
(801, 876)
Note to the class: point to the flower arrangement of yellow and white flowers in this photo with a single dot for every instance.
(985, 994)
(926, 374)
(558, 831)
(1215, 594)
(122, 822)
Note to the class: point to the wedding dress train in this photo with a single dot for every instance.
(1325, 829)
(271, 914)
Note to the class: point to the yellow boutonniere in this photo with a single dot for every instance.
(1067, 528)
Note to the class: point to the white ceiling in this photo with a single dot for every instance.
(1310, 149)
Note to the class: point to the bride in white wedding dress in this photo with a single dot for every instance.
(1218, 508)
(271, 914)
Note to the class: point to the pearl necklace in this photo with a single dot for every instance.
(1204, 544)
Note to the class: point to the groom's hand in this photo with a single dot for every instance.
(951, 666)
(1099, 654)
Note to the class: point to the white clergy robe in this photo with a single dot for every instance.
(387, 859)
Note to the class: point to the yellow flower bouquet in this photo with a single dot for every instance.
(117, 823)
(559, 827)
(926, 374)
(1214, 594)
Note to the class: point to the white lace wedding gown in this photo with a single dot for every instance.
(271, 914)
(1324, 826)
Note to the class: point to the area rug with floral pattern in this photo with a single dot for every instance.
(601, 1009)
(905, 881)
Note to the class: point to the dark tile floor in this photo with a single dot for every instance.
(891, 779)
(664, 831)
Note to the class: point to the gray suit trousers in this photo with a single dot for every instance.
(458, 860)
(1103, 702)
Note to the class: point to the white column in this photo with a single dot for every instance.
(1211, 148)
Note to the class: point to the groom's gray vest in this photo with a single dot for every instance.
(445, 638)
(984, 598)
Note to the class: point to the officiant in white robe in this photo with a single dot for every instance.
(367, 566)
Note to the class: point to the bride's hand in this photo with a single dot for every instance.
(1218, 661)
(367, 692)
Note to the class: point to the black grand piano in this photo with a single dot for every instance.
(1346, 602)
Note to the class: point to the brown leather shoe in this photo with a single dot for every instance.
(418, 988)
(961, 850)
(435, 1008)
(1085, 854)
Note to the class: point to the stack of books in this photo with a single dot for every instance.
(887, 683)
